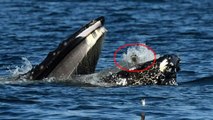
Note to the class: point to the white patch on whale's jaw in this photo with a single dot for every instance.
(121, 81)
(163, 65)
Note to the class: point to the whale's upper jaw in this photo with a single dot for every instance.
(163, 72)
(169, 66)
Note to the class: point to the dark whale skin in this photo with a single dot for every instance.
(59, 63)
(152, 76)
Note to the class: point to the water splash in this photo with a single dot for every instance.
(27, 66)
(143, 102)
(139, 54)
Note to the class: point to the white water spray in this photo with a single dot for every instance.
(138, 54)
(27, 66)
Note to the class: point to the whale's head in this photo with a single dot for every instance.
(163, 72)
(169, 66)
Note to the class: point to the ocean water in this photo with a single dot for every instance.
(30, 29)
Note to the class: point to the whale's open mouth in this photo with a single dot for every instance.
(79, 54)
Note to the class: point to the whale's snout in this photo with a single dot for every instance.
(169, 66)
(175, 60)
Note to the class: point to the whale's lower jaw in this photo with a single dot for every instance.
(82, 60)
(153, 76)
(78, 54)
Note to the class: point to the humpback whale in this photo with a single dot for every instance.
(163, 72)
(79, 53)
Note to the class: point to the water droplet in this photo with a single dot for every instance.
(143, 103)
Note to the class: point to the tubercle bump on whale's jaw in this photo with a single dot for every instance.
(153, 76)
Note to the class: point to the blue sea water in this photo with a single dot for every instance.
(33, 28)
